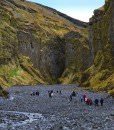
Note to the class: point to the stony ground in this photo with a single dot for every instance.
(25, 112)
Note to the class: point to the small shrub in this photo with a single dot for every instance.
(85, 77)
(111, 92)
(3, 93)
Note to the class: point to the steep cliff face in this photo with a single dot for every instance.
(37, 43)
(100, 76)
(77, 53)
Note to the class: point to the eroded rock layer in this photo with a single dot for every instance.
(33, 43)
(100, 76)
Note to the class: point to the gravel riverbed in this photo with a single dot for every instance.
(25, 112)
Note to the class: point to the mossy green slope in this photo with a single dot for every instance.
(100, 76)
(30, 33)
(39, 45)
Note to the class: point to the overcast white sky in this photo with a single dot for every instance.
(79, 9)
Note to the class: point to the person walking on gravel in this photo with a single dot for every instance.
(84, 96)
(60, 92)
(96, 102)
(101, 101)
(90, 102)
(37, 93)
(50, 93)
(73, 94)
(70, 98)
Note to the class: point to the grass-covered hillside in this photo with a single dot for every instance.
(100, 76)
(32, 43)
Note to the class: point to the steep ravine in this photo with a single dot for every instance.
(39, 45)
(34, 46)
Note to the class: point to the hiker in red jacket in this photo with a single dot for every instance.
(89, 101)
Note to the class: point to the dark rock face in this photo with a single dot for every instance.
(29, 46)
(53, 58)
(42, 35)
(102, 37)
(77, 51)
(101, 32)
(111, 32)
(3, 93)
(48, 58)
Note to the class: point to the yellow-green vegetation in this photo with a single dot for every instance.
(29, 19)
(100, 76)
(39, 46)
(3, 92)
(20, 72)
(111, 92)
(70, 76)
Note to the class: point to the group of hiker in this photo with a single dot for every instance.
(84, 98)
(35, 93)
(51, 93)
(89, 101)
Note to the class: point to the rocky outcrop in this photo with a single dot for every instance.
(101, 30)
(48, 58)
(40, 42)
(3, 93)
(77, 53)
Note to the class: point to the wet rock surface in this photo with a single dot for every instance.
(23, 111)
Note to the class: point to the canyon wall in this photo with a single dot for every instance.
(100, 76)
(38, 44)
